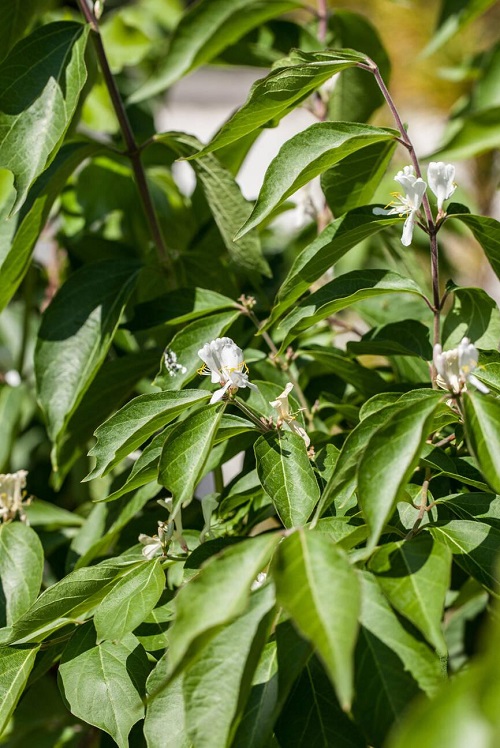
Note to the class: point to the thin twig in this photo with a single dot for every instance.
(423, 505)
(133, 150)
(322, 20)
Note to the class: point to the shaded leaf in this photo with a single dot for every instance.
(485, 230)
(177, 307)
(15, 666)
(21, 568)
(482, 419)
(165, 707)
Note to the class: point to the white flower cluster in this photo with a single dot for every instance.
(224, 363)
(12, 496)
(455, 367)
(440, 177)
(171, 364)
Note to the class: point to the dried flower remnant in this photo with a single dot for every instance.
(282, 405)
(408, 204)
(13, 496)
(455, 367)
(172, 366)
(224, 363)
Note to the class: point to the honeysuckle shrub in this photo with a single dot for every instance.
(285, 529)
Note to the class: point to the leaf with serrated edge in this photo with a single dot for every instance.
(317, 586)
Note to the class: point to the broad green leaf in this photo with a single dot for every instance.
(104, 684)
(346, 531)
(12, 401)
(15, 18)
(356, 94)
(340, 293)
(481, 506)
(471, 136)
(454, 16)
(382, 623)
(227, 204)
(389, 460)
(474, 546)
(40, 84)
(186, 344)
(75, 334)
(415, 576)
(270, 98)
(406, 338)
(130, 601)
(329, 247)
(135, 422)
(15, 666)
(352, 182)
(216, 596)
(317, 586)
(490, 375)
(165, 718)
(203, 32)
(144, 469)
(185, 453)
(384, 687)
(74, 595)
(177, 307)
(474, 315)
(306, 155)
(482, 420)
(312, 715)
(486, 231)
(21, 568)
(367, 381)
(286, 475)
(216, 685)
(114, 382)
(50, 516)
(15, 251)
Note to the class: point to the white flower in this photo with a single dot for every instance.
(225, 364)
(12, 496)
(440, 177)
(258, 581)
(408, 204)
(155, 544)
(12, 378)
(282, 405)
(454, 367)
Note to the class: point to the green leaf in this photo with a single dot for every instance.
(104, 684)
(352, 183)
(486, 231)
(286, 475)
(15, 18)
(317, 586)
(474, 315)
(471, 135)
(203, 32)
(216, 596)
(382, 623)
(21, 568)
(329, 247)
(74, 595)
(135, 422)
(390, 457)
(185, 453)
(15, 251)
(415, 576)
(482, 506)
(165, 706)
(130, 601)
(340, 293)
(186, 344)
(455, 15)
(257, 722)
(474, 546)
(482, 419)
(216, 685)
(177, 307)
(367, 381)
(406, 338)
(306, 155)
(356, 94)
(227, 204)
(292, 80)
(312, 715)
(74, 338)
(40, 81)
(15, 666)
